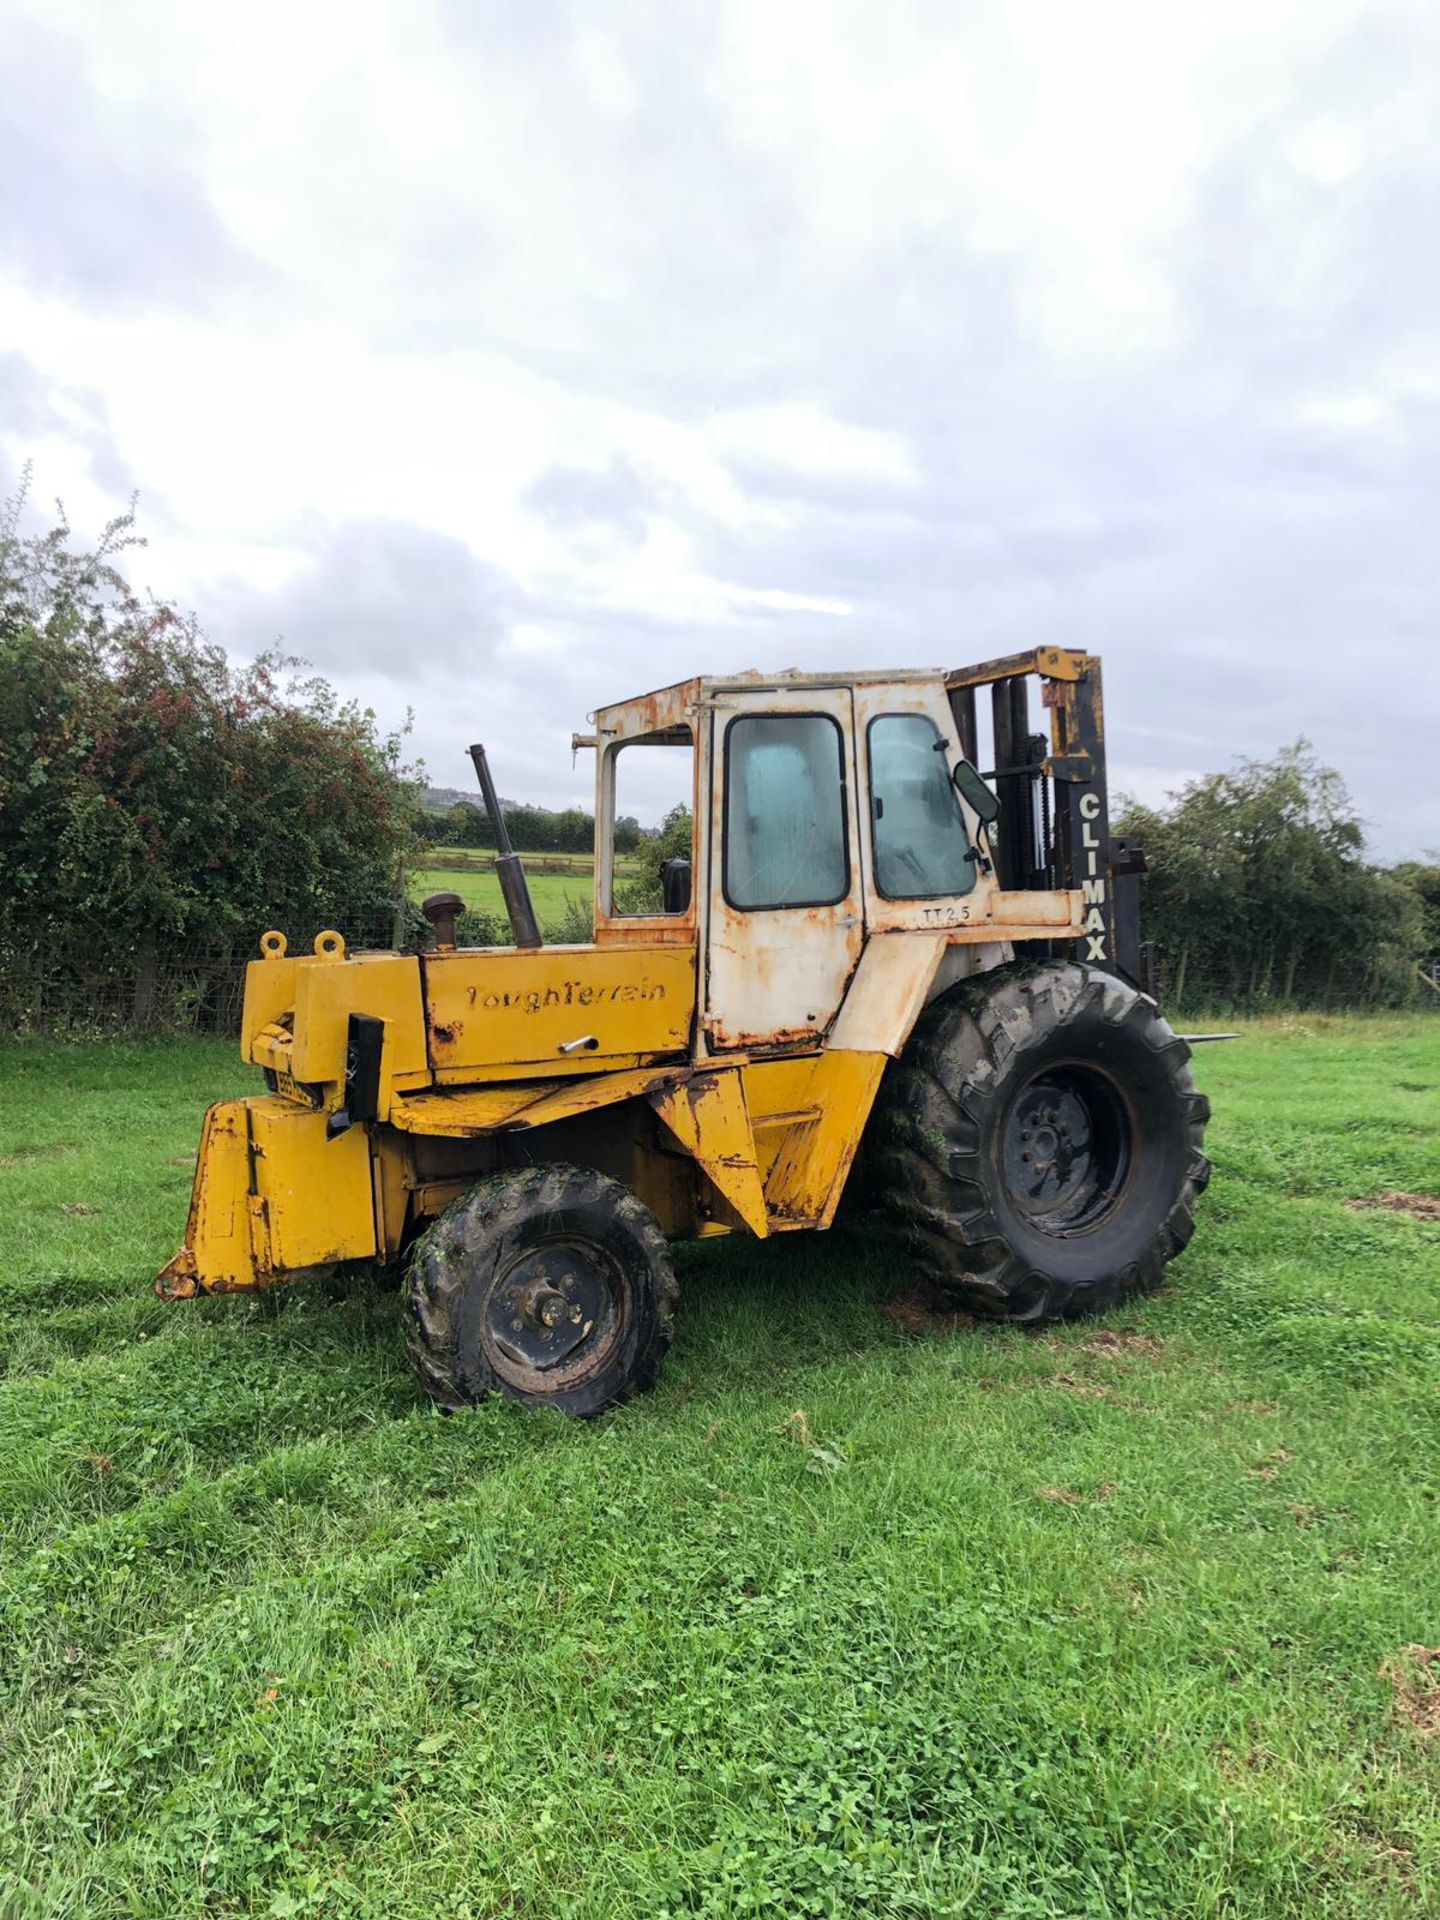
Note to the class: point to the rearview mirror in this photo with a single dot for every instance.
(973, 790)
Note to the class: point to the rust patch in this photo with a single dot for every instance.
(180, 1279)
(1415, 1683)
(1419, 1206)
(447, 1035)
(1109, 1343)
(925, 1310)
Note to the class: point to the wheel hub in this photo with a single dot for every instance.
(1065, 1148)
(553, 1313)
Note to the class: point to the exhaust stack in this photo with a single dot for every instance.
(518, 905)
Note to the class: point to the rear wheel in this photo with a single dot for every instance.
(1040, 1141)
(551, 1284)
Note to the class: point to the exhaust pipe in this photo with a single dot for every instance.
(518, 905)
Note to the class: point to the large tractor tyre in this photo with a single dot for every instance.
(549, 1284)
(1040, 1140)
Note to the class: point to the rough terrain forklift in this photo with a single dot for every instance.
(875, 949)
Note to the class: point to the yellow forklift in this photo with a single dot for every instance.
(873, 944)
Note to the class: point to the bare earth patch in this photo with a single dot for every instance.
(1116, 1343)
(1419, 1206)
(1414, 1676)
(926, 1310)
(1092, 1389)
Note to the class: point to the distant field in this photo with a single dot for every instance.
(864, 1612)
(461, 872)
(481, 891)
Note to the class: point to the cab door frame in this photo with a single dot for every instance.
(773, 978)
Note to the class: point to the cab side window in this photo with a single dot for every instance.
(785, 811)
(922, 844)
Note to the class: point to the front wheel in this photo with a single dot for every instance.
(1040, 1141)
(551, 1284)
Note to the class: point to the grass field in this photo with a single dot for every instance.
(851, 1617)
(551, 892)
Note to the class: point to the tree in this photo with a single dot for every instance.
(645, 892)
(1258, 888)
(1422, 877)
(152, 795)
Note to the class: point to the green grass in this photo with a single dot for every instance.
(551, 892)
(456, 871)
(808, 1631)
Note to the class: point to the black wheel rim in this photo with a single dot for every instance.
(554, 1316)
(1066, 1149)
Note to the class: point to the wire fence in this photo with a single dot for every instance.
(1371, 985)
(67, 986)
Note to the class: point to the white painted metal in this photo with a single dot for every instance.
(887, 992)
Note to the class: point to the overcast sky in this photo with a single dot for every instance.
(507, 359)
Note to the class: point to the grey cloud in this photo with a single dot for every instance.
(1248, 572)
(99, 205)
(32, 406)
(612, 503)
(378, 597)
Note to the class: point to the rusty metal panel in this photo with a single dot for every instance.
(562, 1009)
(1051, 663)
(217, 1253)
(807, 1176)
(463, 1112)
(889, 988)
(708, 1116)
(1025, 916)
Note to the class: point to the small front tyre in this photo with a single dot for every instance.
(547, 1284)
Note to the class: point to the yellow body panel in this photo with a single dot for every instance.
(708, 1116)
(808, 1115)
(312, 1196)
(475, 1110)
(272, 1197)
(808, 1173)
(496, 1011)
(320, 994)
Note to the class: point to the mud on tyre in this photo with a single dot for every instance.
(550, 1284)
(1040, 1141)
